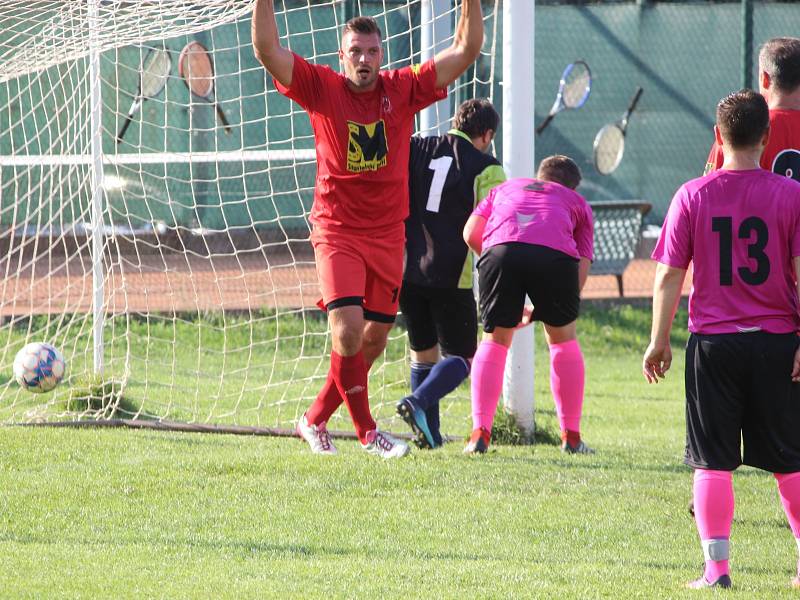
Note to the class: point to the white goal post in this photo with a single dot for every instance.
(518, 161)
(172, 266)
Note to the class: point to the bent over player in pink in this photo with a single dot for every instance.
(536, 238)
(740, 228)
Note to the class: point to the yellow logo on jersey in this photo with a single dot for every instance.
(415, 68)
(367, 146)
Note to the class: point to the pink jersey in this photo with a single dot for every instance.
(538, 212)
(741, 230)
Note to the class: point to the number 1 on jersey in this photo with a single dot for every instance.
(440, 168)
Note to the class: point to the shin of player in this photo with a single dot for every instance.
(740, 228)
(519, 229)
(448, 175)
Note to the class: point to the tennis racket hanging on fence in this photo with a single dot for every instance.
(609, 143)
(153, 74)
(573, 90)
(197, 71)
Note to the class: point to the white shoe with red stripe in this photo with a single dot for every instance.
(317, 437)
(384, 445)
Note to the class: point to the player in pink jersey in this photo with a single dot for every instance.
(740, 228)
(779, 83)
(536, 238)
(362, 122)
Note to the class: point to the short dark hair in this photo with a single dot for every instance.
(362, 25)
(475, 117)
(743, 118)
(560, 169)
(780, 58)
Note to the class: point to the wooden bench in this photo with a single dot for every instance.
(617, 228)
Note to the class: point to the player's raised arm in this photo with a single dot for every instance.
(266, 44)
(453, 61)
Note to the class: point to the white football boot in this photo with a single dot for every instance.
(317, 437)
(384, 445)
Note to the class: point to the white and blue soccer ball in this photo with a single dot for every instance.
(39, 367)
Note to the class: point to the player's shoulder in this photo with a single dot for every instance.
(782, 183)
(699, 185)
(718, 180)
(428, 145)
(468, 153)
(402, 74)
(326, 80)
(396, 79)
(320, 68)
(784, 118)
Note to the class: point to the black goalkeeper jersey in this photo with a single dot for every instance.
(448, 176)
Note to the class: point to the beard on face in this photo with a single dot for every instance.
(363, 76)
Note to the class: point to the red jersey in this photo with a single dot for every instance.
(782, 154)
(362, 142)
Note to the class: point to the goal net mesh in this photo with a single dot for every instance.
(208, 278)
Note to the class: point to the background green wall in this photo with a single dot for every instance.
(685, 55)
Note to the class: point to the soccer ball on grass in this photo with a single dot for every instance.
(38, 367)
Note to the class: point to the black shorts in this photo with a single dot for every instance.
(739, 390)
(508, 272)
(447, 316)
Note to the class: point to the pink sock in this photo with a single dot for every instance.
(713, 513)
(566, 381)
(487, 382)
(789, 489)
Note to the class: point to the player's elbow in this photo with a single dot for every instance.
(473, 241)
(278, 61)
(473, 48)
(466, 235)
(468, 49)
(264, 55)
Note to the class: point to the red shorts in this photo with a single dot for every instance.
(360, 270)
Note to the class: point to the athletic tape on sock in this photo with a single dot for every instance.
(716, 549)
(422, 365)
(467, 362)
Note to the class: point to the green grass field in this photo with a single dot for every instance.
(134, 514)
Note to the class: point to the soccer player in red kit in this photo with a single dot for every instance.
(740, 228)
(362, 121)
(779, 83)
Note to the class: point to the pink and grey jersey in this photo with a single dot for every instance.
(540, 213)
(740, 229)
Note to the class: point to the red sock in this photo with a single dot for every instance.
(328, 401)
(573, 438)
(350, 375)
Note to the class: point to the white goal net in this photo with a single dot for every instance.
(190, 279)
